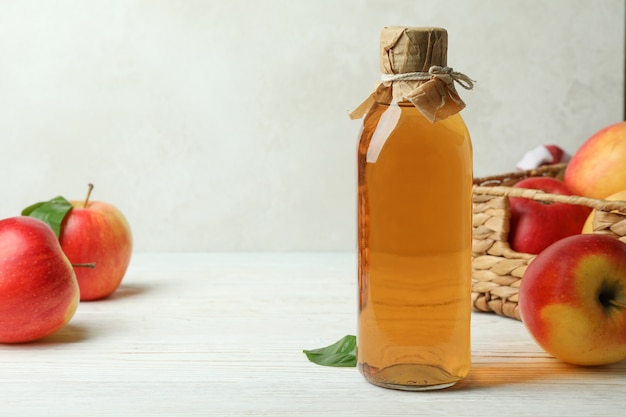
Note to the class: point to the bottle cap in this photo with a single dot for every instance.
(412, 49)
(413, 62)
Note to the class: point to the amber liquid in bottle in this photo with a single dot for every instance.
(414, 229)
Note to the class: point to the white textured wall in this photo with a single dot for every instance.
(222, 125)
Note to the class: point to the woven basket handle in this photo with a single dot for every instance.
(538, 195)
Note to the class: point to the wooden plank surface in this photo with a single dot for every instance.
(222, 335)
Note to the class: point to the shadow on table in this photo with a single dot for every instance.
(70, 333)
(492, 374)
(125, 291)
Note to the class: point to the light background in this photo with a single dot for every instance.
(222, 125)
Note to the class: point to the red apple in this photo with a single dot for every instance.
(597, 168)
(97, 232)
(38, 289)
(572, 299)
(535, 225)
(90, 233)
(94, 231)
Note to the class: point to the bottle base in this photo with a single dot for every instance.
(409, 377)
(413, 387)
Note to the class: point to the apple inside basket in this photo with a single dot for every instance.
(497, 270)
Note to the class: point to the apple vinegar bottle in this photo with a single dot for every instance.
(414, 218)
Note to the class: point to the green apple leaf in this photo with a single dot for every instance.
(51, 212)
(340, 354)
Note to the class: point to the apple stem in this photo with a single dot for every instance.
(89, 189)
(85, 265)
(618, 303)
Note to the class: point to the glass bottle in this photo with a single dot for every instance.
(414, 218)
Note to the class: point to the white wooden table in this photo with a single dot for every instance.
(222, 335)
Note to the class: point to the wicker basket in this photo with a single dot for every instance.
(497, 269)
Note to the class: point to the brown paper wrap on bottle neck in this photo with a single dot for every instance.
(422, 52)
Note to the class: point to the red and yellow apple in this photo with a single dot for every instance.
(535, 225)
(597, 168)
(39, 293)
(97, 232)
(588, 226)
(572, 299)
(91, 233)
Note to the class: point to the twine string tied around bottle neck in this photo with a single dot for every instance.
(445, 74)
